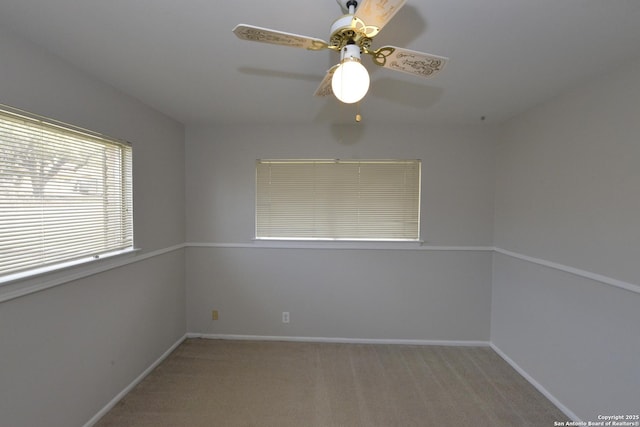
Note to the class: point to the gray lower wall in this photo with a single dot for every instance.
(331, 293)
(67, 351)
(576, 337)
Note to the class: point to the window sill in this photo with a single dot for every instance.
(22, 287)
(65, 267)
(336, 244)
(35, 280)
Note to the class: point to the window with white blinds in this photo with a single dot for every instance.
(65, 194)
(338, 200)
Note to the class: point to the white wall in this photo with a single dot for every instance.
(65, 352)
(568, 192)
(358, 293)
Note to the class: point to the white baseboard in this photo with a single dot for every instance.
(134, 383)
(338, 340)
(537, 385)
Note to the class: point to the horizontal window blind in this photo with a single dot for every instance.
(65, 194)
(338, 199)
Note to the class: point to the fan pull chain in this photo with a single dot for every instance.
(358, 116)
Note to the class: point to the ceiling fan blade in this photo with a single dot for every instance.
(377, 13)
(324, 89)
(265, 35)
(409, 61)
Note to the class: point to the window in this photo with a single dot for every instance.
(65, 194)
(338, 199)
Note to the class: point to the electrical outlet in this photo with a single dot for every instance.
(214, 315)
(285, 317)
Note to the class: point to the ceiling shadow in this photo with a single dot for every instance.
(347, 133)
(405, 27)
(414, 95)
(263, 72)
(341, 119)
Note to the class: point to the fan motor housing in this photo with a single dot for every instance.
(345, 30)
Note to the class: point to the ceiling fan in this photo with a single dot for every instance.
(352, 35)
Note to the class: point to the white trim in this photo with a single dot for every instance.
(536, 384)
(576, 271)
(10, 294)
(339, 340)
(632, 287)
(66, 265)
(134, 383)
(407, 246)
(11, 291)
(21, 291)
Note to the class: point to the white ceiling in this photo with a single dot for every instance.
(181, 57)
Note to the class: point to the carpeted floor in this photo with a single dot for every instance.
(285, 384)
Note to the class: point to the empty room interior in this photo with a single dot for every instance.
(519, 120)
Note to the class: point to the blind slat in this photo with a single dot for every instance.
(337, 199)
(64, 193)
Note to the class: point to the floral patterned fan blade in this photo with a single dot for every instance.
(409, 61)
(325, 89)
(377, 13)
(265, 35)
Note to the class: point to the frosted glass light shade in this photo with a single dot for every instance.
(350, 81)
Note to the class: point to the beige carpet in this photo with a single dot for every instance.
(243, 383)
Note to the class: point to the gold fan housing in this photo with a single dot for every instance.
(349, 29)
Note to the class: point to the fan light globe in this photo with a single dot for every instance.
(350, 81)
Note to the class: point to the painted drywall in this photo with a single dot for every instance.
(568, 179)
(65, 352)
(377, 294)
(333, 293)
(457, 174)
(40, 83)
(568, 192)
